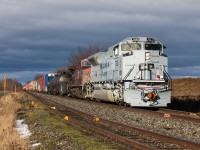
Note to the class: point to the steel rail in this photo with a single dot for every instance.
(165, 138)
(161, 112)
(121, 139)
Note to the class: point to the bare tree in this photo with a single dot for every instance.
(75, 57)
(10, 85)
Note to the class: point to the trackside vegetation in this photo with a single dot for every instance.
(53, 132)
(10, 139)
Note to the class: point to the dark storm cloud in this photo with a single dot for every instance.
(37, 36)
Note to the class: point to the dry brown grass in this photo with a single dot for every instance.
(9, 137)
(186, 87)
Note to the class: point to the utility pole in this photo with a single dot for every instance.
(4, 85)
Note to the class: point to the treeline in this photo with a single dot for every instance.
(10, 85)
(76, 56)
(81, 53)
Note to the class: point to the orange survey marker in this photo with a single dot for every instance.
(97, 119)
(166, 115)
(66, 118)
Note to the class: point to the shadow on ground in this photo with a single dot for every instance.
(185, 103)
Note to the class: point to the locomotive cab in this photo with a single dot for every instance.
(85, 64)
(148, 73)
(86, 68)
(128, 46)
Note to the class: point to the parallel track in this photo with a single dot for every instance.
(190, 116)
(129, 136)
(169, 113)
(172, 114)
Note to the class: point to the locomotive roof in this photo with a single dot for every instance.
(138, 39)
(142, 39)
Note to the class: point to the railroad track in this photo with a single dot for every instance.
(130, 136)
(169, 113)
(193, 116)
(161, 112)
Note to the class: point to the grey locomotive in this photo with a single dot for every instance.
(132, 72)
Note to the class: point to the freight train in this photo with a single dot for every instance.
(132, 72)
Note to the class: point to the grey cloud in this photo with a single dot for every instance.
(41, 34)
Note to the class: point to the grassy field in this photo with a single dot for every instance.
(10, 139)
(186, 87)
(186, 94)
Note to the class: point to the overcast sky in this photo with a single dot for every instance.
(36, 36)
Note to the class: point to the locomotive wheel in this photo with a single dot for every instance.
(126, 105)
(120, 103)
(97, 100)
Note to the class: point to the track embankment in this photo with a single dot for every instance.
(53, 131)
(9, 107)
(147, 139)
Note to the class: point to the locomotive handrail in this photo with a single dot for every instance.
(129, 72)
(168, 78)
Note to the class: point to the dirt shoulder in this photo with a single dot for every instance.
(48, 130)
(10, 139)
(53, 132)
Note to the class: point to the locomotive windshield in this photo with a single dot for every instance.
(130, 46)
(153, 47)
(86, 64)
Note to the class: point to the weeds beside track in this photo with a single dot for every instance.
(118, 131)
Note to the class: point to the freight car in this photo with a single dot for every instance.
(48, 77)
(44, 81)
(30, 86)
(59, 84)
(73, 82)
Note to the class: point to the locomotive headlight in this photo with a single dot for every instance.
(147, 56)
(161, 77)
(137, 76)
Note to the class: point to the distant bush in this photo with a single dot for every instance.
(10, 85)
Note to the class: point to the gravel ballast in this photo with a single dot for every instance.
(178, 128)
